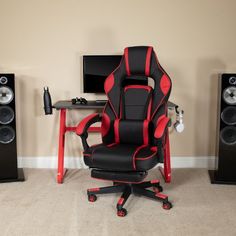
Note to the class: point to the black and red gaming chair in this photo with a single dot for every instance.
(134, 127)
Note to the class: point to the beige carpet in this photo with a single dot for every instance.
(40, 206)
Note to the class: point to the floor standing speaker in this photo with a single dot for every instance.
(225, 172)
(8, 152)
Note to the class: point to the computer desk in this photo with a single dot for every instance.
(63, 107)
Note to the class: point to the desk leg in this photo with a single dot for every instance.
(60, 170)
(167, 165)
(166, 172)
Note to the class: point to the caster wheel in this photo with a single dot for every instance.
(158, 189)
(92, 197)
(167, 205)
(122, 212)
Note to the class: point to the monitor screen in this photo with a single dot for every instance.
(97, 68)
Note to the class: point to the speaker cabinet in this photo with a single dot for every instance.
(8, 153)
(226, 139)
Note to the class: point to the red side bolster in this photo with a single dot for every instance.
(81, 126)
(145, 132)
(149, 109)
(161, 126)
(127, 61)
(116, 130)
(105, 124)
(165, 84)
(109, 83)
(148, 59)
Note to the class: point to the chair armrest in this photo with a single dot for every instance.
(82, 128)
(162, 124)
(84, 124)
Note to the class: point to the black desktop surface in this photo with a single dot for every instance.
(67, 104)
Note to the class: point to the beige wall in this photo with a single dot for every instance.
(42, 43)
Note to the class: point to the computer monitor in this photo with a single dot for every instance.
(96, 68)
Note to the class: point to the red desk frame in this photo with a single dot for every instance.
(63, 106)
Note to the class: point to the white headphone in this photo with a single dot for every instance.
(179, 124)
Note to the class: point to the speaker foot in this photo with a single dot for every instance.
(20, 177)
(214, 180)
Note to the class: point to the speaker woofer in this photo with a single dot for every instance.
(228, 115)
(229, 95)
(7, 134)
(6, 95)
(6, 115)
(228, 135)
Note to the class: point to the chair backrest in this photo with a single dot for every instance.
(132, 112)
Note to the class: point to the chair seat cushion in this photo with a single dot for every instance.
(121, 157)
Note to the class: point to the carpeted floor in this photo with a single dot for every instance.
(40, 206)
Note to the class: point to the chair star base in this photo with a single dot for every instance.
(127, 189)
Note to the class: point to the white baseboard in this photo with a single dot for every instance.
(207, 162)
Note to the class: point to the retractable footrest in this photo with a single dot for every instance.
(130, 177)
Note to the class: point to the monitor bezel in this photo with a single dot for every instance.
(98, 56)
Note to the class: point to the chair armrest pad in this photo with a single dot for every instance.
(86, 122)
(162, 124)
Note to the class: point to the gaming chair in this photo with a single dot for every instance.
(134, 128)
